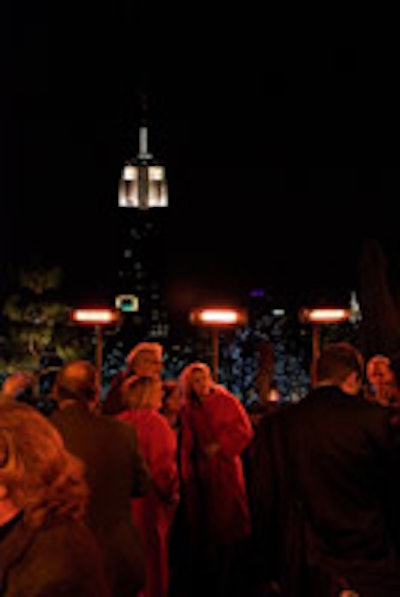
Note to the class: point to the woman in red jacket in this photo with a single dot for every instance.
(154, 512)
(215, 432)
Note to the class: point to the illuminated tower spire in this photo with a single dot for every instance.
(140, 288)
(143, 182)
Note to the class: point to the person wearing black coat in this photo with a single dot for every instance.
(323, 472)
(115, 469)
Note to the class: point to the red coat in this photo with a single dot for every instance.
(154, 512)
(214, 486)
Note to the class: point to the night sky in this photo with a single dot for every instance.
(280, 149)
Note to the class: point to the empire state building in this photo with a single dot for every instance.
(142, 195)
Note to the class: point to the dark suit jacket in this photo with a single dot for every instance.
(328, 483)
(112, 403)
(116, 472)
(61, 558)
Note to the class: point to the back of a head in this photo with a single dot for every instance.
(77, 380)
(152, 349)
(138, 392)
(337, 361)
(42, 477)
(16, 385)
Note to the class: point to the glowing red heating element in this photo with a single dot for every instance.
(95, 316)
(324, 315)
(219, 316)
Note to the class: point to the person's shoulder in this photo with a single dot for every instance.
(118, 423)
(70, 416)
(119, 377)
(159, 421)
(70, 545)
(62, 539)
(223, 393)
(116, 426)
(160, 433)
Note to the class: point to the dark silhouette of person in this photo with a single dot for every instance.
(323, 470)
(115, 469)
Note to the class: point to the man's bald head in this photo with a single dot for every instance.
(77, 380)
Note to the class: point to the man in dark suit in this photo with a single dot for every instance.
(115, 472)
(330, 469)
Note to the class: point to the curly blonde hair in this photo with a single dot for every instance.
(138, 392)
(41, 477)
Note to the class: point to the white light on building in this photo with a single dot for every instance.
(143, 183)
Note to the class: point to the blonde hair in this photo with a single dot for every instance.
(41, 477)
(138, 392)
(152, 347)
(185, 382)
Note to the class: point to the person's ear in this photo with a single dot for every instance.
(352, 383)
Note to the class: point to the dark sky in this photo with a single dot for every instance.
(280, 148)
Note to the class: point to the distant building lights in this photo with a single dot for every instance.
(355, 309)
(257, 293)
(156, 173)
(129, 173)
(143, 183)
(127, 303)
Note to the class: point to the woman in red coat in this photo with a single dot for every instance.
(215, 432)
(154, 512)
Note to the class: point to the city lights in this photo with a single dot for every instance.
(127, 303)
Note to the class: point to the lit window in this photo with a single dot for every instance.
(130, 173)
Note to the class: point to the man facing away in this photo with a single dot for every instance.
(329, 461)
(115, 472)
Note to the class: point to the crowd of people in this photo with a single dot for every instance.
(172, 488)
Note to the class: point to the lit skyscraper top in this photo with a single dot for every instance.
(143, 182)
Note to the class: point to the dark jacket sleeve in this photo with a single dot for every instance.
(141, 471)
(112, 403)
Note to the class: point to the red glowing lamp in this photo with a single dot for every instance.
(95, 316)
(325, 315)
(316, 317)
(218, 316)
(98, 318)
